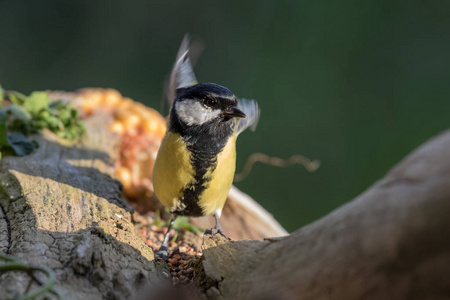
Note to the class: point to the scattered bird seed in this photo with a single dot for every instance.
(182, 255)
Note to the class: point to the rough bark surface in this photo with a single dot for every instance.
(391, 242)
(61, 208)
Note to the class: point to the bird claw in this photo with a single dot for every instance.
(163, 252)
(214, 231)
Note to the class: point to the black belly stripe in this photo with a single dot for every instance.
(204, 142)
(192, 192)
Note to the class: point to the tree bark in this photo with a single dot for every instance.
(61, 208)
(391, 242)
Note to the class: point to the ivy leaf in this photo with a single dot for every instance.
(16, 97)
(20, 143)
(24, 115)
(18, 112)
(36, 102)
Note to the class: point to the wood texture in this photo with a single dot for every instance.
(391, 242)
(62, 208)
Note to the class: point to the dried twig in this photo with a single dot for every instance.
(309, 165)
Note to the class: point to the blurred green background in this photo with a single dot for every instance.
(355, 84)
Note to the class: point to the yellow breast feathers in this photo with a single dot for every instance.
(216, 193)
(173, 174)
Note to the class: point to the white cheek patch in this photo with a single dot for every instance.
(193, 113)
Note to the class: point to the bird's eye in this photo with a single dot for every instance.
(210, 101)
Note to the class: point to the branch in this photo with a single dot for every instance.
(391, 242)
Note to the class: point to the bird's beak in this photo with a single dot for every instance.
(234, 112)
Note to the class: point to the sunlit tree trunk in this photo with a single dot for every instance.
(391, 242)
(61, 208)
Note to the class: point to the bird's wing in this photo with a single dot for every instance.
(252, 112)
(182, 74)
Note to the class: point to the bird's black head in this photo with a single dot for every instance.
(204, 111)
(205, 103)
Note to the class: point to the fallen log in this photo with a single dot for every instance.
(391, 242)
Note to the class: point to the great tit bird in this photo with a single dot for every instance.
(195, 165)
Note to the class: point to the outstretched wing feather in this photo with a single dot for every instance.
(182, 74)
(252, 112)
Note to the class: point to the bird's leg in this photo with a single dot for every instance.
(163, 251)
(217, 228)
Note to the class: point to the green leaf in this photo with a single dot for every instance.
(16, 97)
(20, 143)
(182, 222)
(27, 115)
(3, 135)
(18, 112)
(36, 102)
